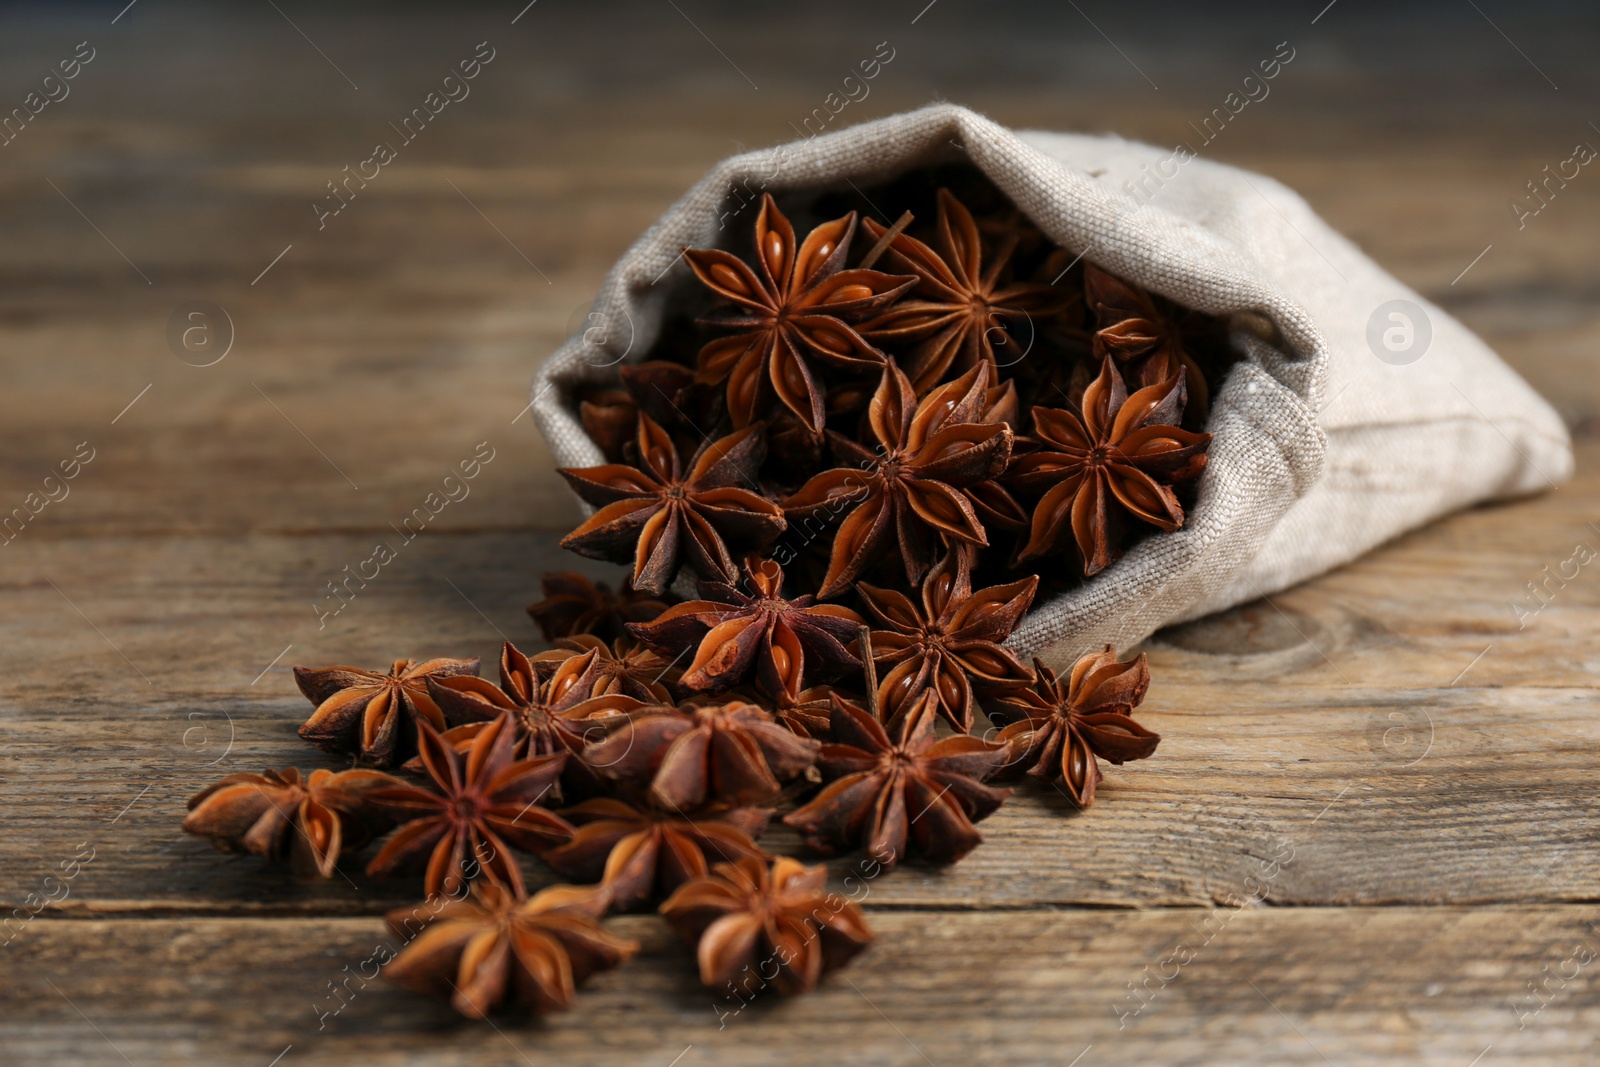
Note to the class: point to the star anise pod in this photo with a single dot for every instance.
(478, 805)
(375, 716)
(898, 791)
(910, 489)
(746, 916)
(808, 713)
(608, 417)
(962, 309)
(640, 853)
(1114, 460)
(1057, 730)
(1145, 338)
(737, 632)
(624, 666)
(797, 306)
(729, 753)
(497, 948)
(573, 604)
(278, 815)
(656, 514)
(559, 700)
(951, 641)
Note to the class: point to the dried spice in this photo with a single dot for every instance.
(908, 489)
(642, 853)
(608, 417)
(1145, 338)
(962, 308)
(795, 307)
(498, 948)
(375, 716)
(624, 666)
(736, 635)
(1111, 463)
(479, 805)
(672, 735)
(808, 713)
(573, 604)
(732, 753)
(549, 696)
(1057, 730)
(656, 514)
(745, 917)
(950, 643)
(278, 815)
(901, 792)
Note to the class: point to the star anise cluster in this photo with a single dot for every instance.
(852, 462)
(861, 398)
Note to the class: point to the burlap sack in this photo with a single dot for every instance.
(1343, 425)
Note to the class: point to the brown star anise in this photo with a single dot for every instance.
(479, 804)
(279, 815)
(731, 753)
(1115, 459)
(573, 604)
(1057, 730)
(808, 713)
(640, 853)
(560, 701)
(962, 309)
(655, 514)
(910, 488)
(733, 631)
(746, 916)
(624, 666)
(497, 948)
(361, 712)
(1146, 339)
(954, 637)
(608, 417)
(796, 307)
(894, 791)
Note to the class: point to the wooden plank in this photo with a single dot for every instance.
(1328, 717)
(1413, 986)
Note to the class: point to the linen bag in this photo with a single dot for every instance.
(1357, 411)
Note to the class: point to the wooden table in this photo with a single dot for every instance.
(1420, 767)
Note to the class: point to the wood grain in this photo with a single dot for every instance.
(1424, 752)
(1413, 986)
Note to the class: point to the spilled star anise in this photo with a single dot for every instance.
(864, 438)
(573, 604)
(737, 633)
(643, 853)
(796, 307)
(498, 948)
(746, 915)
(961, 309)
(375, 716)
(658, 513)
(278, 815)
(553, 698)
(907, 492)
(950, 643)
(478, 805)
(1111, 463)
(624, 666)
(1057, 729)
(900, 792)
(731, 753)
